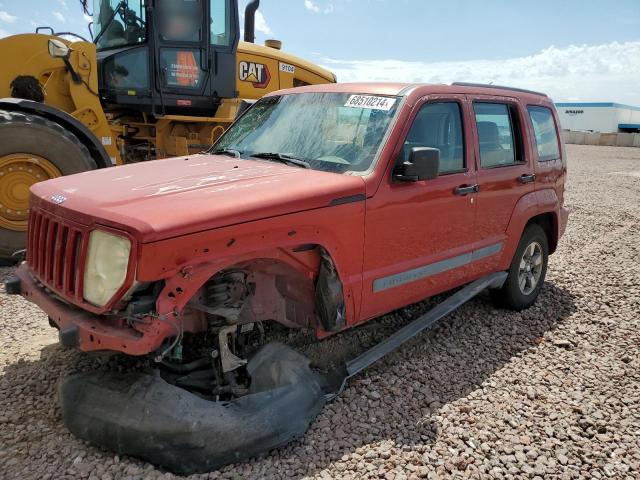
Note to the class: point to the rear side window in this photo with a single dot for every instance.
(544, 128)
(498, 134)
(439, 125)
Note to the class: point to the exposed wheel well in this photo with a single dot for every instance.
(549, 223)
(306, 292)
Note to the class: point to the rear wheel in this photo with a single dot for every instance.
(527, 272)
(32, 149)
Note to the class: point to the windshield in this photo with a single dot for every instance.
(334, 132)
(118, 23)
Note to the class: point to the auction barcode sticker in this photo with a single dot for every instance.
(370, 101)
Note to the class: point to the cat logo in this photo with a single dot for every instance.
(255, 73)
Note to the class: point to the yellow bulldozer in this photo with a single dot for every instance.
(161, 78)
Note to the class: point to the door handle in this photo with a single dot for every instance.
(463, 190)
(524, 178)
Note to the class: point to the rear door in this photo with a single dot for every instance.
(505, 170)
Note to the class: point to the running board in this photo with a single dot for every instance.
(428, 320)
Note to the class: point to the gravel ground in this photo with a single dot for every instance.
(552, 392)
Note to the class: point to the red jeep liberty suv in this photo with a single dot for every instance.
(322, 207)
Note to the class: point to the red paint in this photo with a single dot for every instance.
(188, 218)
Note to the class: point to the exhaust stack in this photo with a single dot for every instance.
(250, 21)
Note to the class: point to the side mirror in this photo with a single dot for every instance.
(58, 49)
(423, 164)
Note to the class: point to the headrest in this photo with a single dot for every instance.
(488, 132)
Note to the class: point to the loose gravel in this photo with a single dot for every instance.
(552, 392)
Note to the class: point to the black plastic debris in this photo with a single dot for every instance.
(143, 416)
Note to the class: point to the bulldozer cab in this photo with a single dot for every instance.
(167, 56)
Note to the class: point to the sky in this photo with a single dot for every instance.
(574, 50)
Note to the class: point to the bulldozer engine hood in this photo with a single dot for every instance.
(178, 196)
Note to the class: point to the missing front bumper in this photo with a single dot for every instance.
(86, 331)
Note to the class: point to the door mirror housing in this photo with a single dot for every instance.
(423, 164)
(58, 49)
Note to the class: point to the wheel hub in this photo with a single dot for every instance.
(530, 269)
(18, 172)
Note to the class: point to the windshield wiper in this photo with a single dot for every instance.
(283, 158)
(232, 152)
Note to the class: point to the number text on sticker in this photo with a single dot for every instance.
(370, 101)
(285, 67)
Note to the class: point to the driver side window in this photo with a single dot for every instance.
(439, 125)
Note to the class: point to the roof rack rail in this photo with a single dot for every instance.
(485, 85)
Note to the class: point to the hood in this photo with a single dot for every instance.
(178, 196)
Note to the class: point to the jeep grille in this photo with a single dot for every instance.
(55, 253)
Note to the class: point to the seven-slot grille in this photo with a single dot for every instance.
(54, 253)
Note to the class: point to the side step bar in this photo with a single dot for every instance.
(428, 320)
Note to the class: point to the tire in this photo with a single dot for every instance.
(142, 415)
(513, 294)
(33, 135)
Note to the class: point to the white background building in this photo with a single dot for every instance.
(599, 117)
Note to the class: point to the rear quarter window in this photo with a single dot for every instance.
(544, 128)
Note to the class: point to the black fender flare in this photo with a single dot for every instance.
(62, 118)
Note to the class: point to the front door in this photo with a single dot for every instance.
(505, 172)
(419, 235)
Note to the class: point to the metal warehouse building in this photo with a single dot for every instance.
(599, 117)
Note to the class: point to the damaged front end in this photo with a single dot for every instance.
(209, 421)
(227, 392)
(220, 388)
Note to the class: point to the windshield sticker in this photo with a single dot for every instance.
(371, 102)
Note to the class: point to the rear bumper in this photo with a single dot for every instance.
(88, 332)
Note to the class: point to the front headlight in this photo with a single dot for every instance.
(106, 266)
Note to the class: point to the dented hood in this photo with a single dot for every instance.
(177, 196)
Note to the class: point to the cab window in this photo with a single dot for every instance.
(128, 70)
(180, 20)
(498, 134)
(439, 125)
(220, 23)
(544, 128)
(182, 68)
(117, 24)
